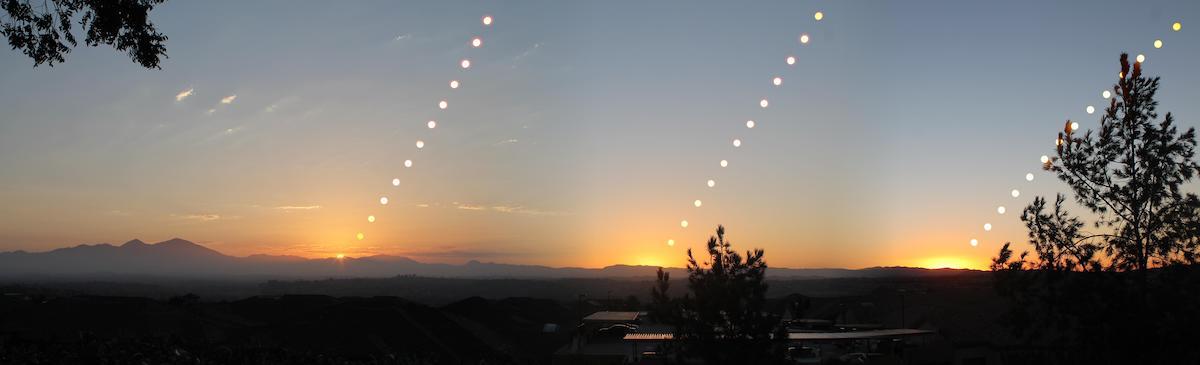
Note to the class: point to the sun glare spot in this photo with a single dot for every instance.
(1001, 209)
(987, 227)
(443, 105)
(804, 38)
(453, 84)
(1074, 126)
(1016, 193)
(420, 144)
(945, 263)
(487, 20)
(396, 182)
(1029, 176)
(370, 219)
(465, 63)
(432, 124)
(712, 183)
(476, 42)
(697, 203)
(407, 163)
(342, 255)
(1045, 159)
(683, 223)
(1176, 27)
(671, 243)
(1157, 43)
(1106, 94)
(360, 236)
(818, 16)
(974, 242)
(724, 163)
(737, 142)
(1091, 109)
(383, 200)
(791, 60)
(777, 81)
(763, 103)
(1141, 58)
(750, 124)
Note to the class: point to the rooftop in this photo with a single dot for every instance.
(606, 316)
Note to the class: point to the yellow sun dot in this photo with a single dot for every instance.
(697, 203)
(487, 20)
(370, 219)
(1157, 43)
(453, 84)
(1176, 27)
(683, 223)
(750, 124)
(791, 60)
(818, 16)
(432, 124)
(476, 42)
(342, 255)
(974, 242)
(360, 236)
(671, 243)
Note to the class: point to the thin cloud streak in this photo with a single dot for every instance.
(184, 94)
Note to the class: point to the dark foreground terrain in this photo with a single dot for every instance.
(409, 320)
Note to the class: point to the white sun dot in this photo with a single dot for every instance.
(974, 242)
(431, 124)
(1016, 193)
(1157, 43)
(987, 226)
(712, 183)
(443, 104)
(1001, 209)
(1091, 109)
(476, 42)
(777, 81)
(370, 219)
(1074, 126)
(749, 124)
(671, 243)
(420, 144)
(724, 163)
(804, 39)
(697, 203)
(1141, 58)
(683, 223)
(383, 200)
(1029, 176)
(818, 16)
(487, 20)
(1045, 159)
(453, 84)
(360, 236)
(763, 103)
(1106, 94)
(396, 182)
(465, 63)
(407, 163)
(791, 60)
(737, 142)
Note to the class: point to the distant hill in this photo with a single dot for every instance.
(178, 258)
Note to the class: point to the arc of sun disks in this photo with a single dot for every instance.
(443, 104)
(1089, 109)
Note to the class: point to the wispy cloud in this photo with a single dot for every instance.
(289, 208)
(199, 217)
(184, 94)
(465, 206)
(229, 99)
(517, 209)
(403, 37)
(507, 141)
(210, 111)
(528, 52)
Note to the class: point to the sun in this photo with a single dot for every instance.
(946, 263)
(341, 256)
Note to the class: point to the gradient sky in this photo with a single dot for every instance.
(582, 132)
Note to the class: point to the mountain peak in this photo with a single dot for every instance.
(134, 243)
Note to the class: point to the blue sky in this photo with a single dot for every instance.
(581, 134)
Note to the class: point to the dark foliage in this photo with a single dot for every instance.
(44, 31)
(1123, 288)
(723, 319)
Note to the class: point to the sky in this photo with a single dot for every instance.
(581, 134)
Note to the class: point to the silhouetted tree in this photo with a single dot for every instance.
(1123, 286)
(722, 320)
(43, 30)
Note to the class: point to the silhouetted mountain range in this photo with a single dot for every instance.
(181, 258)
